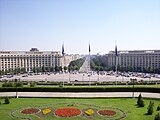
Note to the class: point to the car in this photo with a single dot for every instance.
(1, 76)
(24, 75)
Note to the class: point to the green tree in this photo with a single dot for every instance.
(18, 84)
(43, 69)
(65, 68)
(6, 100)
(150, 108)
(76, 64)
(1, 72)
(158, 108)
(32, 84)
(23, 70)
(140, 101)
(157, 117)
(139, 98)
(8, 84)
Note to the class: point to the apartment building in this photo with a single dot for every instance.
(136, 59)
(33, 58)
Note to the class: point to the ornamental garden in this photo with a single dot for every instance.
(68, 110)
(79, 109)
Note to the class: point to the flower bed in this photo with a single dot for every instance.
(46, 111)
(89, 112)
(67, 112)
(30, 111)
(107, 112)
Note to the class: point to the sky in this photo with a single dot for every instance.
(47, 24)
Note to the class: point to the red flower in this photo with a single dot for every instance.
(30, 111)
(107, 112)
(67, 112)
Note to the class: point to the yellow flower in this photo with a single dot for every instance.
(46, 111)
(89, 112)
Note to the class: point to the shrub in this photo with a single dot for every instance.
(150, 108)
(7, 84)
(140, 101)
(18, 84)
(157, 117)
(61, 85)
(158, 108)
(139, 98)
(32, 84)
(6, 101)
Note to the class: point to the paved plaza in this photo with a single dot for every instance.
(79, 77)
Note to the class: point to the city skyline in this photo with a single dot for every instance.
(46, 25)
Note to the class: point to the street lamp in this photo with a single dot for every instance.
(133, 81)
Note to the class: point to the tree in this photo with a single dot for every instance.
(157, 117)
(16, 70)
(18, 84)
(0, 72)
(139, 98)
(65, 68)
(8, 84)
(76, 64)
(43, 69)
(140, 101)
(158, 108)
(23, 70)
(32, 84)
(34, 69)
(150, 108)
(6, 100)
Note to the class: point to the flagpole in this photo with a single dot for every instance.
(89, 65)
(116, 70)
(116, 54)
(63, 69)
(89, 70)
(63, 62)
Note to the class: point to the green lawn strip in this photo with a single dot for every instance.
(126, 104)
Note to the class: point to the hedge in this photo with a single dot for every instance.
(84, 89)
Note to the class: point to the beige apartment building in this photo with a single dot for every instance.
(136, 59)
(33, 58)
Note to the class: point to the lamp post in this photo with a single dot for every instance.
(16, 88)
(16, 92)
(98, 75)
(133, 81)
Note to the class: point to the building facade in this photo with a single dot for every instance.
(10, 60)
(137, 60)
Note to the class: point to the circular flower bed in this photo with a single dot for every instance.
(30, 111)
(67, 112)
(107, 112)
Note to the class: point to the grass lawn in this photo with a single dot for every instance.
(126, 104)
